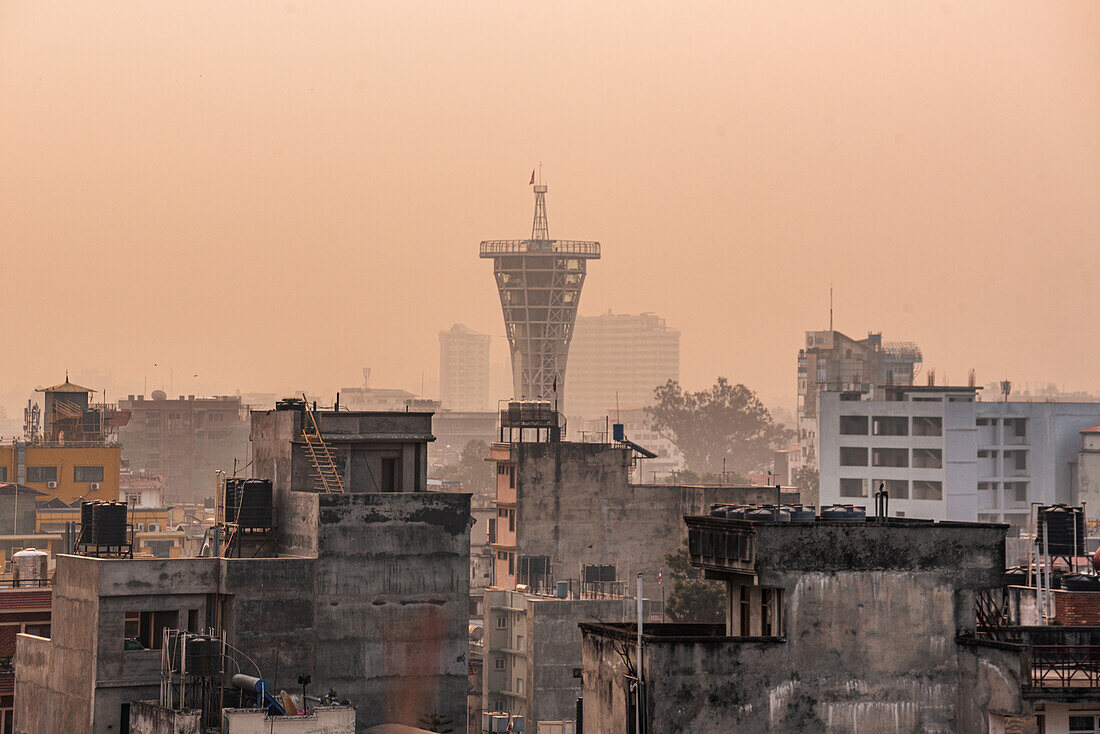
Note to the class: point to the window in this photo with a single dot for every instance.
(502, 622)
(133, 498)
(925, 490)
(511, 477)
(885, 425)
(498, 663)
(145, 630)
(927, 426)
(1083, 724)
(1018, 491)
(41, 630)
(41, 474)
(3, 473)
(853, 456)
(193, 621)
(391, 475)
(746, 611)
(1021, 460)
(853, 487)
(87, 473)
(519, 685)
(492, 530)
(769, 612)
(502, 469)
(853, 425)
(511, 563)
(519, 642)
(927, 459)
(512, 521)
(897, 489)
(890, 457)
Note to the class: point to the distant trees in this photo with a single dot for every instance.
(693, 598)
(724, 422)
(472, 470)
(808, 481)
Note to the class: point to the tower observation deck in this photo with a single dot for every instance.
(540, 282)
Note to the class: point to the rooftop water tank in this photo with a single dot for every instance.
(256, 504)
(29, 567)
(109, 524)
(801, 513)
(1064, 527)
(843, 513)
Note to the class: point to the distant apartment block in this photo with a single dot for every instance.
(464, 369)
(941, 453)
(669, 459)
(617, 360)
(184, 440)
(833, 361)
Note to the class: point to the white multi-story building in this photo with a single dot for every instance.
(617, 360)
(669, 459)
(464, 369)
(942, 453)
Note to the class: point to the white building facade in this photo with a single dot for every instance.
(942, 453)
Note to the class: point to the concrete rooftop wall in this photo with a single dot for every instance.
(392, 608)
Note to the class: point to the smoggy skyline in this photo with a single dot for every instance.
(271, 196)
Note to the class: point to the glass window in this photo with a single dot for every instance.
(853, 487)
(927, 426)
(927, 458)
(853, 456)
(38, 474)
(1083, 724)
(498, 663)
(853, 425)
(897, 489)
(87, 473)
(890, 457)
(885, 425)
(3, 473)
(925, 490)
(502, 622)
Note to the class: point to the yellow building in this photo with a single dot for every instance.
(72, 458)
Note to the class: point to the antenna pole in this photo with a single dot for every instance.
(830, 307)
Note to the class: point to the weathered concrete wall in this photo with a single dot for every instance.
(392, 611)
(575, 504)
(864, 651)
(147, 717)
(555, 641)
(40, 707)
(54, 678)
(327, 720)
(273, 432)
(268, 612)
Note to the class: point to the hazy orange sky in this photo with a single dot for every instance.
(271, 196)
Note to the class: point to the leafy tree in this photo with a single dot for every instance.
(693, 598)
(808, 482)
(724, 422)
(472, 470)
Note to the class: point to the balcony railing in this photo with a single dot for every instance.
(1065, 666)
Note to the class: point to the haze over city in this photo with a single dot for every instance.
(190, 190)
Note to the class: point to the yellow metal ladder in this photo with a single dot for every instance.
(326, 478)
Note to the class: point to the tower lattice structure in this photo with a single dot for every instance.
(540, 283)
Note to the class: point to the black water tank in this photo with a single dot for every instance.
(256, 509)
(1063, 525)
(87, 520)
(801, 513)
(843, 513)
(109, 524)
(1080, 582)
(768, 513)
(1015, 576)
(203, 656)
(232, 499)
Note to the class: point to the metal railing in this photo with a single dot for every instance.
(1065, 666)
(558, 247)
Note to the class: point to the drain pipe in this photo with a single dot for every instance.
(638, 707)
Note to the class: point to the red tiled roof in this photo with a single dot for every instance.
(1093, 429)
(16, 599)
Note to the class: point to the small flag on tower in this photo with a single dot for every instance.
(660, 575)
(532, 177)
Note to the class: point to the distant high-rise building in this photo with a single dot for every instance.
(464, 369)
(540, 282)
(617, 360)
